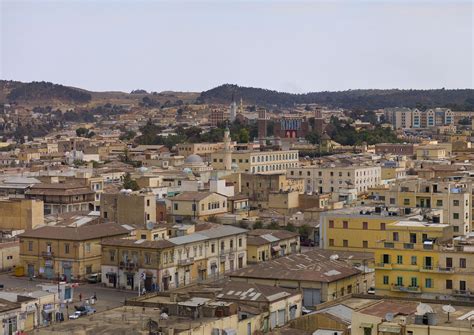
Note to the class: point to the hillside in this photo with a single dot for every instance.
(48, 94)
(459, 99)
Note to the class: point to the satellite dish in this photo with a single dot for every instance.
(389, 317)
(422, 309)
(448, 309)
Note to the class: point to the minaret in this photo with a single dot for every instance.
(233, 109)
(241, 107)
(227, 150)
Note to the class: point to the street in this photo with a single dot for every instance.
(107, 298)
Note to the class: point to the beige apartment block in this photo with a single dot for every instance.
(128, 208)
(20, 214)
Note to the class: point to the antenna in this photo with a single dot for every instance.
(389, 317)
(448, 309)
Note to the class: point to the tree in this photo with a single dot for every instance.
(465, 121)
(129, 183)
(273, 225)
(82, 132)
(244, 136)
(290, 227)
(304, 231)
(258, 225)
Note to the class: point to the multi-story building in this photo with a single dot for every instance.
(454, 199)
(267, 244)
(332, 178)
(62, 197)
(202, 149)
(216, 117)
(399, 117)
(71, 251)
(257, 161)
(20, 214)
(197, 205)
(128, 208)
(175, 262)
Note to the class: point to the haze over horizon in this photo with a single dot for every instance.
(194, 46)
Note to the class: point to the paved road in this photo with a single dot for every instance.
(106, 297)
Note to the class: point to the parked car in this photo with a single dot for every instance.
(90, 310)
(76, 315)
(305, 311)
(371, 290)
(94, 278)
(307, 243)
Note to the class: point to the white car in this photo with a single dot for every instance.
(76, 315)
(371, 290)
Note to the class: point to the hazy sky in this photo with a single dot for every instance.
(193, 46)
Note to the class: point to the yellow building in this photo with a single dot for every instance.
(430, 152)
(267, 244)
(20, 214)
(197, 205)
(408, 262)
(68, 251)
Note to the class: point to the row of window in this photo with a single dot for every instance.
(49, 248)
(429, 283)
(274, 157)
(273, 167)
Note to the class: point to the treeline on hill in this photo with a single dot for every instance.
(456, 99)
(46, 91)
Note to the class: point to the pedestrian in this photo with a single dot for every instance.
(80, 296)
(95, 296)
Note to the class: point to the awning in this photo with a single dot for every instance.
(366, 325)
(276, 248)
(111, 274)
(428, 242)
(390, 329)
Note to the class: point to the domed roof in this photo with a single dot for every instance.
(193, 159)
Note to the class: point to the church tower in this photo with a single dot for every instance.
(233, 110)
(227, 150)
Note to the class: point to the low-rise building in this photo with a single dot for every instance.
(128, 208)
(197, 205)
(267, 244)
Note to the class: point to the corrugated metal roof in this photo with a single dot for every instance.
(270, 238)
(222, 231)
(188, 239)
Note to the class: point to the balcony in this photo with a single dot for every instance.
(129, 266)
(47, 254)
(463, 293)
(407, 289)
(386, 266)
(428, 268)
(186, 262)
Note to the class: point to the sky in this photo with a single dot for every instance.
(292, 46)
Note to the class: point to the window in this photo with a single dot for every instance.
(382, 226)
(112, 255)
(66, 248)
(89, 269)
(414, 282)
(386, 259)
(399, 281)
(449, 284)
(175, 207)
(88, 247)
(462, 285)
(385, 280)
(365, 225)
(105, 215)
(462, 263)
(345, 224)
(213, 248)
(240, 242)
(365, 244)
(30, 245)
(392, 201)
(428, 283)
(331, 242)
(331, 224)
(148, 202)
(222, 245)
(147, 258)
(345, 243)
(406, 202)
(413, 260)
(412, 238)
(439, 203)
(231, 244)
(399, 259)
(455, 202)
(395, 236)
(455, 216)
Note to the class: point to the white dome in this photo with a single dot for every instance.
(193, 159)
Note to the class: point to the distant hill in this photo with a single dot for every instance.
(459, 99)
(44, 91)
(49, 94)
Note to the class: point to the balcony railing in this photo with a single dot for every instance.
(387, 266)
(48, 254)
(464, 293)
(128, 265)
(187, 261)
(402, 288)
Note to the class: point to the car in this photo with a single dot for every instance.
(307, 243)
(76, 315)
(94, 278)
(371, 290)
